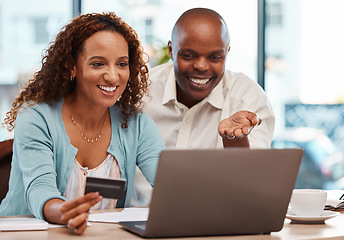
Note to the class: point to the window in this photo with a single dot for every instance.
(153, 20)
(274, 15)
(0, 33)
(149, 30)
(40, 30)
(303, 69)
(26, 28)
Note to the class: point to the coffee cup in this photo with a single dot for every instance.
(308, 202)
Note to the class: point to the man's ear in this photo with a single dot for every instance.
(169, 46)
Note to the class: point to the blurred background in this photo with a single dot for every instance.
(293, 48)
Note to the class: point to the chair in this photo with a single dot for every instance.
(6, 149)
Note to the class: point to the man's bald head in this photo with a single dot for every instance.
(198, 16)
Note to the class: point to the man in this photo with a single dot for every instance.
(195, 101)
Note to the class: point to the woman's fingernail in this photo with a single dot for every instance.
(68, 224)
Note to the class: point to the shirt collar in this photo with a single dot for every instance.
(215, 98)
(170, 91)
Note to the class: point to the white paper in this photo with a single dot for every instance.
(128, 214)
(53, 225)
(22, 224)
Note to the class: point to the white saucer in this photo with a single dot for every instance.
(312, 220)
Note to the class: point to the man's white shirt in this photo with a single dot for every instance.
(196, 127)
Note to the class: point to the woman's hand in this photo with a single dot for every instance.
(74, 212)
(234, 129)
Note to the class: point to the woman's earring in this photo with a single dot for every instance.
(72, 78)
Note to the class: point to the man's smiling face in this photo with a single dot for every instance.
(198, 49)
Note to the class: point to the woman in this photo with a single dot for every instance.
(80, 116)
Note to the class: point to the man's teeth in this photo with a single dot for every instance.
(108, 89)
(200, 81)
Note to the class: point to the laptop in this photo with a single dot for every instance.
(220, 192)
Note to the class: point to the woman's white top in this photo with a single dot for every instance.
(77, 179)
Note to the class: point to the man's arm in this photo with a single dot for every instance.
(236, 142)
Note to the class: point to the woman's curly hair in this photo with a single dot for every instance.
(52, 82)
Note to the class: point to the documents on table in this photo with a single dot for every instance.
(22, 224)
(30, 223)
(128, 214)
(25, 224)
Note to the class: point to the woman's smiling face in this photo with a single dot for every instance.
(102, 69)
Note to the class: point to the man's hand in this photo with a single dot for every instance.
(238, 125)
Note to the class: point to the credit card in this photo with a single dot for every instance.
(108, 188)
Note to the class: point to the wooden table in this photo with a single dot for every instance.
(332, 229)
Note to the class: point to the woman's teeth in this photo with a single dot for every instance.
(200, 81)
(108, 89)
